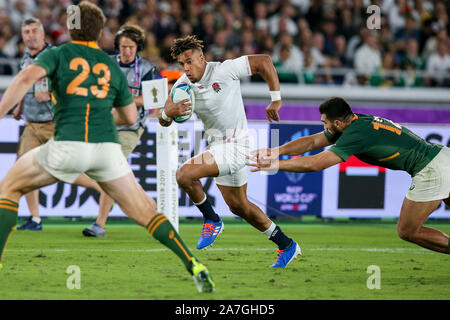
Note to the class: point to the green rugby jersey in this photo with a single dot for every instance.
(86, 85)
(383, 143)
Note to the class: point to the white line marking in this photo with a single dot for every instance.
(305, 249)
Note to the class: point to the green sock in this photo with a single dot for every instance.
(8, 219)
(162, 230)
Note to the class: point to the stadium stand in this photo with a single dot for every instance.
(311, 42)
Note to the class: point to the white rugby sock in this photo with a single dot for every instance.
(201, 202)
(269, 231)
(36, 219)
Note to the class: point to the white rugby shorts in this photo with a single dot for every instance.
(67, 160)
(432, 182)
(231, 157)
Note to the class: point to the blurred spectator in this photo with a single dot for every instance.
(358, 13)
(367, 58)
(284, 21)
(339, 58)
(58, 29)
(438, 66)
(248, 46)
(205, 30)
(407, 32)
(4, 67)
(412, 58)
(164, 24)
(260, 12)
(295, 52)
(219, 47)
(317, 44)
(345, 24)
(315, 14)
(287, 68)
(387, 74)
(431, 44)
(329, 33)
(309, 71)
(20, 10)
(151, 51)
(410, 78)
(10, 49)
(355, 42)
(396, 15)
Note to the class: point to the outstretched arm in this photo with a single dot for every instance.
(317, 162)
(263, 65)
(292, 148)
(21, 83)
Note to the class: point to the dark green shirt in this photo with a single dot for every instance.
(86, 85)
(383, 143)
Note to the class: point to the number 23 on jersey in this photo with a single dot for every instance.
(99, 91)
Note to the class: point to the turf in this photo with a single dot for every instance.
(129, 264)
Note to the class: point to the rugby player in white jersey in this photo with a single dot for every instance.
(218, 103)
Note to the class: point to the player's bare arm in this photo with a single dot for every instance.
(139, 100)
(125, 116)
(314, 163)
(292, 148)
(21, 83)
(17, 112)
(263, 65)
(172, 110)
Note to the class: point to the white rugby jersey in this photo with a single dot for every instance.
(218, 98)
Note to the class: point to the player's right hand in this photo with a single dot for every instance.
(173, 110)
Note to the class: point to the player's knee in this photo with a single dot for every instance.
(239, 208)
(184, 179)
(405, 233)
(8, 191)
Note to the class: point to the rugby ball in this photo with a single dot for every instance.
(180, 92)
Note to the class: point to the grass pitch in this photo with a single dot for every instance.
(130, 264)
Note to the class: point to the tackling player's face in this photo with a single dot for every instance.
(328, 125)
(193, 64)
(128, 49)
(33, 36)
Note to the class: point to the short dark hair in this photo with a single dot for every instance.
(32, 20)
(183, 44)
(336, 108)
(92, 21)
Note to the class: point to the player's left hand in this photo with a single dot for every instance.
(42, 96)
(270, 165)
(272, 111)
(263, 160)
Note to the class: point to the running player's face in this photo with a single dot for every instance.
(193, 64)
(128, 49)
(33, 36)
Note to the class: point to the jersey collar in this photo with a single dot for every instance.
(47, 45)
(90, 44)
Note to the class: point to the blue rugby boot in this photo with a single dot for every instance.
(210, 232)
(287, 255)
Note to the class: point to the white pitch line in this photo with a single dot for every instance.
(304, 249)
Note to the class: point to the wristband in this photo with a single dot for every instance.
(275, 95)
(165, 117)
